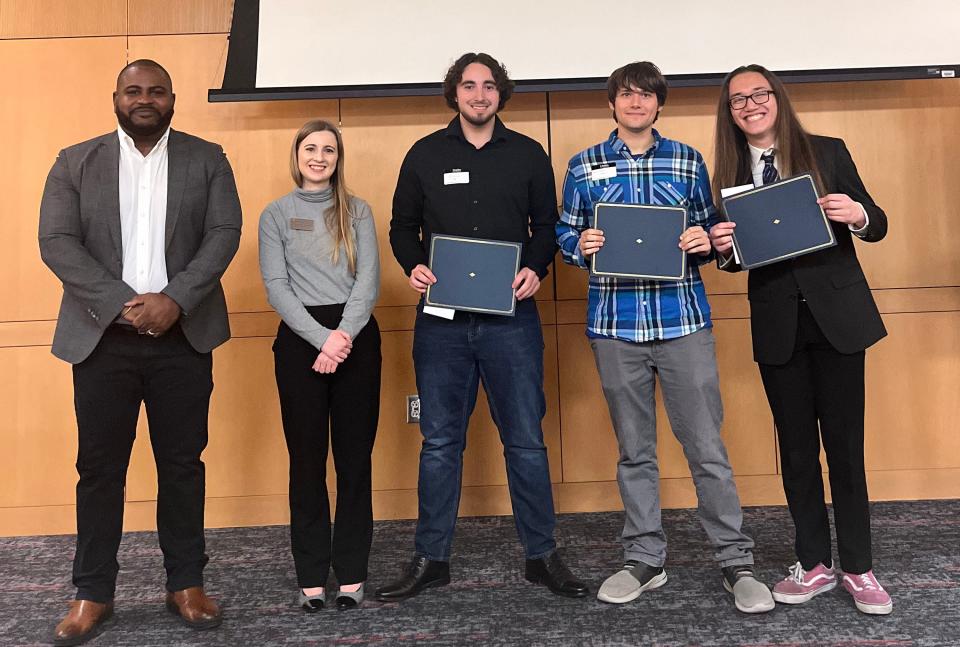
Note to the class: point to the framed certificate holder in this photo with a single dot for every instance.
(473, 274)
(778, 221)
(641, 241)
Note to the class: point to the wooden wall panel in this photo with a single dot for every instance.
(60, 18)
(34, 126)
(552, 428)
(912, 386)
(939, 299)
(256, 137)
(396, 453)
(179, 16)
(246, 454)
(38, 431)
(377, 135)
(748, 430)
(26, 333)
(903, 136)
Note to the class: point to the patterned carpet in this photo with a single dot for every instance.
(916, 548)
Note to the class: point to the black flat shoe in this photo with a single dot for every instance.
(421, 574)
(551, 572)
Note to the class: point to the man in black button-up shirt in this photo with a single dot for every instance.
(476, 178)
(510, 193)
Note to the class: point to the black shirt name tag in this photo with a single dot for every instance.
(456, 176)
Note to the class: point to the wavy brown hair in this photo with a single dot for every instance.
(732, 157)
(455, 75)
(339, 215)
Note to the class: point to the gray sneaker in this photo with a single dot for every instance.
(628, 583)
(749, 595)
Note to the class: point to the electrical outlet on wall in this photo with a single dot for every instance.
(413, 409)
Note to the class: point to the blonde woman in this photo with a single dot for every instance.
(320, 266)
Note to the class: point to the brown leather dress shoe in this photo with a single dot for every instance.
(194, 608)
(83, 622)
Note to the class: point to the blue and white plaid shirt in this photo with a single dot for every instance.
(669, 173)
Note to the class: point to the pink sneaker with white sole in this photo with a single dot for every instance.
(867, 593)
(801, 586)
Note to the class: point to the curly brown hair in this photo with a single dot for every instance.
(455, 75)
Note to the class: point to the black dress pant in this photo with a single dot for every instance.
(340, 409)
(174, 382)
(818, 393)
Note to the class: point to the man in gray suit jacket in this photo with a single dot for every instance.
(139, 225)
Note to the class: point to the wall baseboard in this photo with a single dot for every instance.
(600, 496)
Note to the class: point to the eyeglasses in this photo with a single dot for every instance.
(759, 97)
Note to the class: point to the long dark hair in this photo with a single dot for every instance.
(731, 155)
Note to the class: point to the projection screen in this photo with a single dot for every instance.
(296, 49)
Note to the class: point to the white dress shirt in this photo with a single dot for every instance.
(143, 214)
(757, 164)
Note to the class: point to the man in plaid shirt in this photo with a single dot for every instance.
(641, 329)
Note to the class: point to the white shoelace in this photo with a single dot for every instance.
(796, 573)
(869, 584)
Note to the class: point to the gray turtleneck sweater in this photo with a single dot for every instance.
(298, 270)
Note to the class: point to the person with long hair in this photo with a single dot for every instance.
(320, 264)
(812, 317)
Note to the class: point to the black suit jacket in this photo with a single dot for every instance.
(831, 280)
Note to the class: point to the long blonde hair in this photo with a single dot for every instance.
(339, 214)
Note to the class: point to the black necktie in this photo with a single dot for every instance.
(770, 173)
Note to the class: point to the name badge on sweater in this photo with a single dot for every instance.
(301, 224)
(456, 176)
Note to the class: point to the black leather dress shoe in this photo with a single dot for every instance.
(421, 574)
(551, 571)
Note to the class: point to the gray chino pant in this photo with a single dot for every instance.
(687, 368)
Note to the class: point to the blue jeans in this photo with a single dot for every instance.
(451, 358)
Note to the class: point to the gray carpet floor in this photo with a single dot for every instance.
(916, 557)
